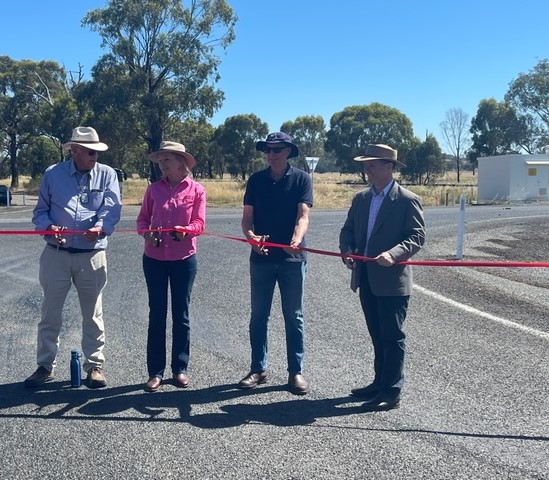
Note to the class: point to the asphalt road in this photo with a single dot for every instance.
(474, 405)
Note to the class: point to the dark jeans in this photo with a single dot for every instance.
(180, 275)
(384, 318)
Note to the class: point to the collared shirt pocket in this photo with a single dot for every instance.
(95, 199)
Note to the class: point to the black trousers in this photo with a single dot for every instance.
(384, 319)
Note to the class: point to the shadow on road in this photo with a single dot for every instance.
(58, 401)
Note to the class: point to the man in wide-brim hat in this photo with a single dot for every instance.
(81, 197)
(380, 151)
(385, 224)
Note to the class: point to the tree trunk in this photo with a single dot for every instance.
(13, 161)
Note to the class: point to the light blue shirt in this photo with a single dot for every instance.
(78, 201)
(377, 200)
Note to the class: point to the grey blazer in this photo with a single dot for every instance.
(399, 229)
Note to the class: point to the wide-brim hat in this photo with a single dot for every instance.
(173, 147)
(86, 137)
(275, 139)
(379, 151)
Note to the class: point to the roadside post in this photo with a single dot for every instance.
(312, 162)
(460, 228)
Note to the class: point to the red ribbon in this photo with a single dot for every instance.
(427, 263)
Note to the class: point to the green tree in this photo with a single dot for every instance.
(237, 138)
(455, 130)
(23, 86)
(197, 136)
(424, 162)
(352, 129)
(496, 129)
(308, 132)
(529, 95)
(162, 63)
(38, 155)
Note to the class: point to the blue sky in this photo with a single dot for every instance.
(315, 57)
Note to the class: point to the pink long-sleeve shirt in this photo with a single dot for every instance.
(165, 206)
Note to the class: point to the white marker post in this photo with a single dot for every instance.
(460, 228)
(312, 162)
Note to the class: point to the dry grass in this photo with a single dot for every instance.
(331, 190)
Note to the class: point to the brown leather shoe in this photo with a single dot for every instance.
(297, 383)
(181, 380)
(95, 378)
(153, 384)
(252, 380)
(39, 377)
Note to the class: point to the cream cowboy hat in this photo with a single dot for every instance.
(379, 151)
(174, 147)
(86, 137)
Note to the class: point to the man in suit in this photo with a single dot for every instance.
(385, 223)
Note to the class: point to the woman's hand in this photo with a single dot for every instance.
(152, 238)
(178, 233)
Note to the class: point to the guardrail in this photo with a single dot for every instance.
(20, 198)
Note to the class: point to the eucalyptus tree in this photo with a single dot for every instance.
(308, 132)
(497, 129)
(197, 136)
(24, 85)
(424, 161)
(529, 95)
(161, 64)
(352, 129)
(237, 137)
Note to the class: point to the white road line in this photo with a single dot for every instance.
(480, 313)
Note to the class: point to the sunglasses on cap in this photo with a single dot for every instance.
(273, 149)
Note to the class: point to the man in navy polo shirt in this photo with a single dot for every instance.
(276, 208)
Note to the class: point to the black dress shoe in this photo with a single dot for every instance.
(367, 393)
(381, 403)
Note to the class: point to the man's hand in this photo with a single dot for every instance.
(350, 263)
(293, 249)
(261, 249)
(92, 233)
(57, 236)
(385, 259)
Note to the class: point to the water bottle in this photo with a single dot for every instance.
(76, 377)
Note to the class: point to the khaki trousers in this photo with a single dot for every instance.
(88, 272)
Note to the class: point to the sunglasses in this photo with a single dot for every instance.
(91, 153)
(273, 149)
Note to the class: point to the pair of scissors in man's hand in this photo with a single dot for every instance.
(57, 235)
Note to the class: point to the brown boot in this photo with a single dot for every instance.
(297, 383)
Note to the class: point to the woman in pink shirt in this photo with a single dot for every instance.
(172, 216)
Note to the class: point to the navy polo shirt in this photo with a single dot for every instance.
(275, 209)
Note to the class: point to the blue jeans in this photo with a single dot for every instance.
(290, 277)
(180, 275)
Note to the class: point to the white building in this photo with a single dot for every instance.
(513, 178)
